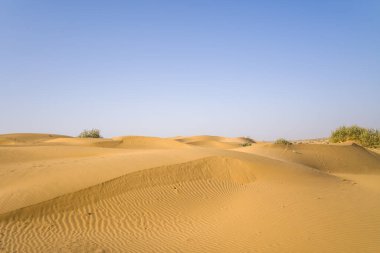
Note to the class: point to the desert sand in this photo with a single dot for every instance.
(186, 194)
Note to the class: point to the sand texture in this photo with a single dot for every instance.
(186, 194)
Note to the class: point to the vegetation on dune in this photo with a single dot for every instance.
(367, 137)
(93, 133)
(249, 142)
(283, 142)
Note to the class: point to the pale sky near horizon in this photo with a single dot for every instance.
(265, 69)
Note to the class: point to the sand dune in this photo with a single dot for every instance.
(141, 142)
(146, 194)
(343, 158)
(130, 142)
(27, 138)
(214, 141)
(84, 142)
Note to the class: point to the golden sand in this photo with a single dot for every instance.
(186, 194)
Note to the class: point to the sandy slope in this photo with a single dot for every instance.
(145, 194)
(344, 158)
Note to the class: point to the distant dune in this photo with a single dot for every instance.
(186, 194)
(214, 141)
(27, 139)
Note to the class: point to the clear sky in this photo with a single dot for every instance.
(265, 69)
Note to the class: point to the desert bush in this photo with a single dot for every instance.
(93, 133)
(365, 136)
(344, 133)
(248, 141)
(283, 142)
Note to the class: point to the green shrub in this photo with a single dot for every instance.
(365, 136)
(283, 142)
(344, 133)
(248, 141)
(93, 133)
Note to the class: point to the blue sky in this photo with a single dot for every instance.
(265, 69)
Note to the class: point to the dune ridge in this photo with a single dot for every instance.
(210, 168)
